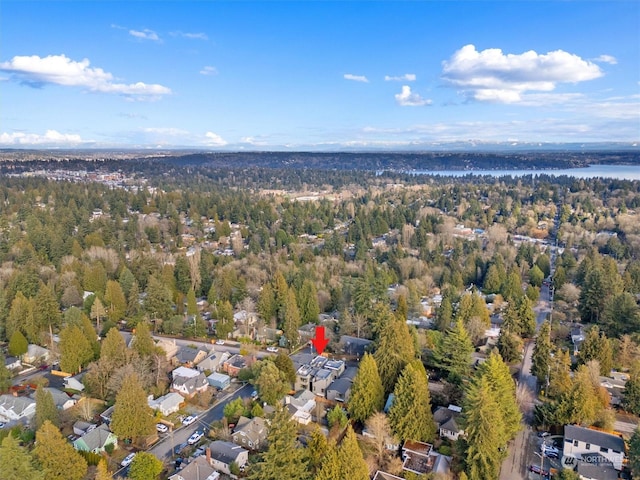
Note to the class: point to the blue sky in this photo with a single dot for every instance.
(317, 75)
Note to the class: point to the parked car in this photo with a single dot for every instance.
(162, 428)
(220, 342)
(179, 448)
(550, 451)
(536, 469)
(195, 438)
(543, 434)
(254, 394)
(189, 420)
(127, 460)
(272, 349)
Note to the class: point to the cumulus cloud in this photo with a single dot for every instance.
(145, 34)
(490, 75)
(214, 140)
(606, 59)
(356, 78)
(51, 137)
(208, 70)
(190, 36)
(407, 77)
(407, 98)
(61, 70)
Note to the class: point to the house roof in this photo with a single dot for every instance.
(17, 404)
(96, 438)
(594, 437)
(60, 398)
(188, 354)
(597, 471)
(191, 384)
(341, 385)
(196, 470)
(254, 428)
(11, 360)
(167, 401)
(185, 372)
(380, 475)
(237, 361)
(446, 418)
(225, 452)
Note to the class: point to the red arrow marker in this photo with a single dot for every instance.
(320, 342)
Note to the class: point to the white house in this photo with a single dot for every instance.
(167, 404)
(12, 363)
(592, 446)
(189, 386)
(35, 354)
(447, 420)
(199, 469)
(16, 408)
(74, 383)
(301, 405)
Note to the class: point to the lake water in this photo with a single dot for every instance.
(623, 172)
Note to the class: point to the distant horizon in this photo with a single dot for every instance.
(315, 76)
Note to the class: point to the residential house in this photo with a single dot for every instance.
(316, 374)
(190, 386)
(167, 404)
(184, 372)
(301, 405)
(307, 332)
(448, 420)
(96, 440)
(219, 380)
(245, 323)
(16, 408)
(581, 444)
(62, 400)
(596, 471)
(213, 362)
(81, 427)
(12, 363)
(36, 354)
(224, 454)
(615, 386)
(380, 475)
(421, 459)
(198, 469)
(577, 337)
(250, 433)
(74, 383)
(169, 346)
(234, 364)
(340, 389)
(107, 414)
(354, 345)
(189, 356)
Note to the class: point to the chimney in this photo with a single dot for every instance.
(207, 452)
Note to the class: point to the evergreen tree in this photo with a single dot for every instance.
(267, 307)
(593, 295)
(485, 431)
(352, 463)
(597, 346)
(510, 346)
(492, 280)
(284, 458)
(291, 320)
(5, 375)
(98, 312)
(285, 365)
(541, 357)
(410, 416)
(536, 276)
(454, 353)
(634, 453)
(133, 301)
(317, 450)
(102, 471)
(504, 388)
(16, 461)
(271, 383)
(308, 303)
(560, 374)
(395, 349)
(20, 315)
(631, 399)
(143, 341)
(512, 287)
(158, 301)
(114, 352)
(145, 466)
(75, 349)
(46, 409)
(46, 311)
(225, 325)
(132, 417)
(115, 301)
(367, 392)
(58, 458)
(18, 344)
(90, 334)
(444, 314)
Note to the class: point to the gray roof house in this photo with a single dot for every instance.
(12, 363)
(190, 356)
(447, 420)
(339, 390)
(60, 398)
(213, 362)
(96, 440)
(74, 383)
(250, 433)
(593, 471)
(198, 469)
(580, 442)
(35, 354)
(224, 453)
(16, 408)
(189, 386)
(354, 345)
(167, 404)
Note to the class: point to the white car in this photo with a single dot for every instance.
(127, 460)
(220, 342)
(189, 420)
(195, 438)
(162, 428)
(549, 451)
(272, 349)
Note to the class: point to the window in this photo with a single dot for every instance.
(604, 450)
(575, 443)
(588, 446)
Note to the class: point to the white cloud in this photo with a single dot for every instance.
(190, 36)
(61, 70)
(611, 60)
(214, 140)
(356, 78)
(166, 131)
(407, 77)
(51, 137)
(408, 99)
(145, 34)
(208, 70)
(490, 75)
